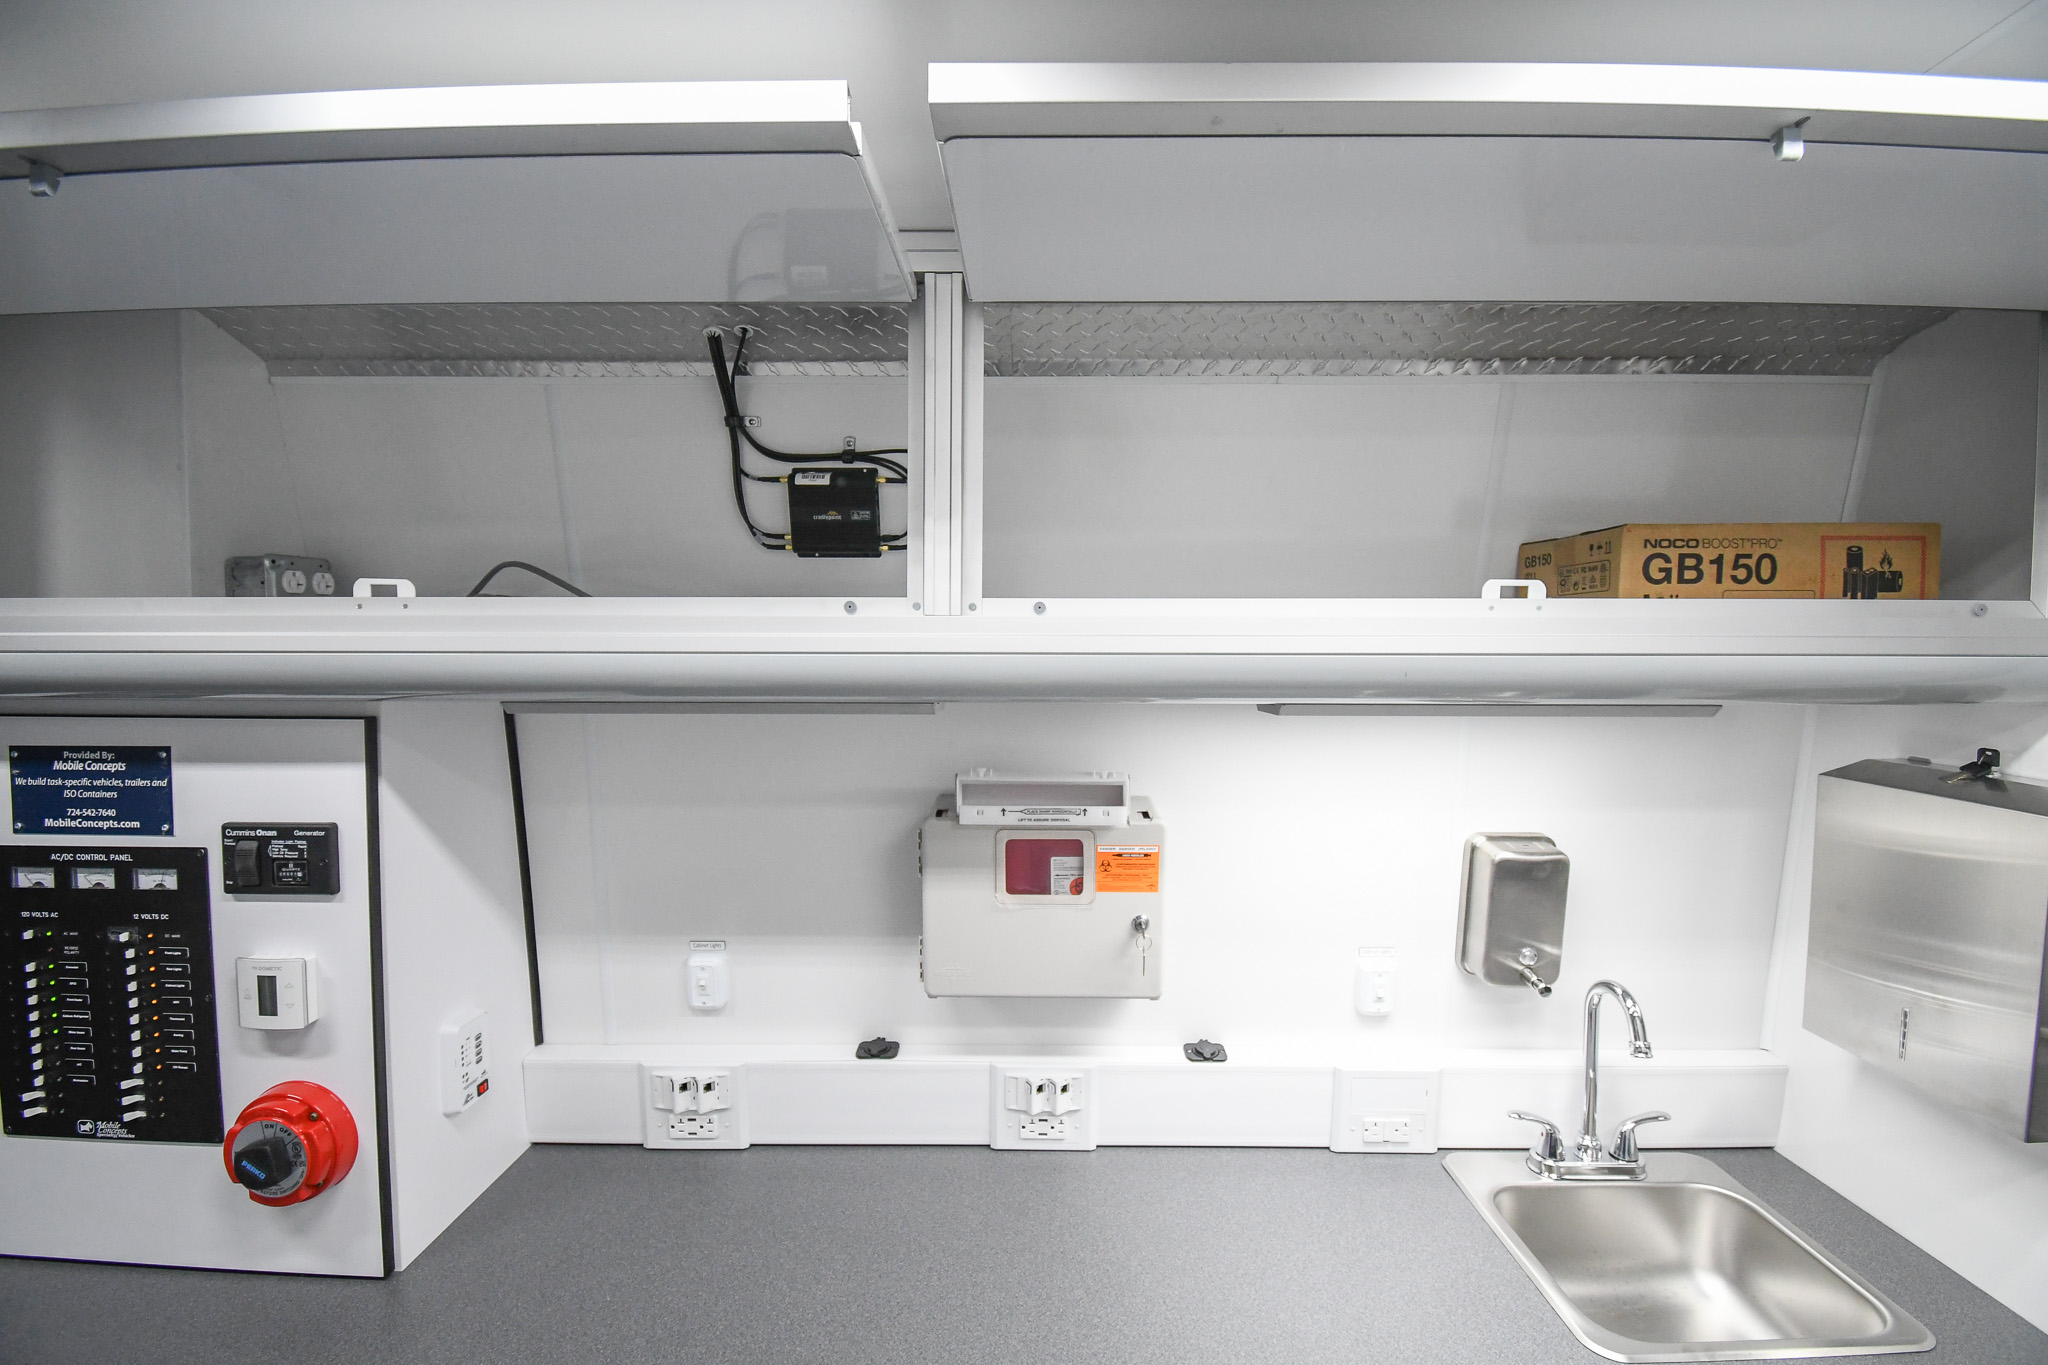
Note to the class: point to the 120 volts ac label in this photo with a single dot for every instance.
(1127, 867)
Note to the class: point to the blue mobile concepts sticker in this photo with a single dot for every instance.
(83, 789)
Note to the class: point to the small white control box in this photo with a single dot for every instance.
(465, 1066)
(277, 992)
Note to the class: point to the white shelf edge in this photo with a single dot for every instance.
(443, 121)
(1050, 99)
(811, 650)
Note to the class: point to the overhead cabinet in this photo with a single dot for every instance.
(657, 192)
(1493, 181)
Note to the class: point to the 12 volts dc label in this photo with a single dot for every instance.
(85, 790)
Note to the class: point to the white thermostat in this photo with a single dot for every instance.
(277, 992)
(465, 1072)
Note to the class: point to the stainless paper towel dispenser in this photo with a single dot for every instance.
(1511, 920)
(1924, 954)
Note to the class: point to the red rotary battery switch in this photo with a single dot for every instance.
(290, 1143)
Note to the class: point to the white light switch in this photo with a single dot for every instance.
(1374, 990)
(707, 980)
(465, 1073)
(277, 992)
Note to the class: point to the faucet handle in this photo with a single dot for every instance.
(1625, 1148)
(1549, 1144)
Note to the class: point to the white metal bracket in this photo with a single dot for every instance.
(2039, 592)
(945, 444)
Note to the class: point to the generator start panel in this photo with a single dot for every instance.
(108, 994)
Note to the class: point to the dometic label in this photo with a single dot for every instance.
(87, 790)
(1127, 867)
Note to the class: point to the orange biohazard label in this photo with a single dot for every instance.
(1127, 867)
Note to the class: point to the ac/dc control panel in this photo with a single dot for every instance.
(108, 994)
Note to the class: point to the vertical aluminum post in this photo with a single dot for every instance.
(945, 443)
(2039, 586)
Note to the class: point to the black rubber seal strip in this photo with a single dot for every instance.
(372, 774)
(525, 871)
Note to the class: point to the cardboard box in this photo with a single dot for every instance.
(1865, 560)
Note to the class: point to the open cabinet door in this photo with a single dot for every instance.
(658, 192)
(1493, 181)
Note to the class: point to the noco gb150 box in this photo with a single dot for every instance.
(1869, 561)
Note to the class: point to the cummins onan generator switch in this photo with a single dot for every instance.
(108, 994)
(279, 860)
(1043, 886)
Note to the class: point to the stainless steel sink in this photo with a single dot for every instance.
(1685, 1264)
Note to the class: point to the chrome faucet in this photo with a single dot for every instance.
(1621, 1160)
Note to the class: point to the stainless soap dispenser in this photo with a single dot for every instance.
(1511, 920)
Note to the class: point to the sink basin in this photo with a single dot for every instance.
(1683, 1265)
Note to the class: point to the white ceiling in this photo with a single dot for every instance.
(64, 52)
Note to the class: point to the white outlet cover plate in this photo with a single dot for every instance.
(1014, 1131)
(707, 980)
(1363, 1098)
(665, 1129)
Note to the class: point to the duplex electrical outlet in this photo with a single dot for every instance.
(689, 1105)
(1042, 1109)
(1384, 1111)
(1389, 1132)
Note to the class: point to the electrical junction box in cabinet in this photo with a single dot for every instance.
(1043, 886)
(1925, 949)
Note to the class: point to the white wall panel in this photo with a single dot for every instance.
(92, 462)
(434, 481)
(1297, 841)
(623, 486)
(243, 498)
(1952, 440)
(1171, 488)
(1133, 487)
(1584, 454)
(454, 945)
(648, 481)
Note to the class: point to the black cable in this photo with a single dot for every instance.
(563, 583)
(729, 398)
(727, 376)
(843, 456)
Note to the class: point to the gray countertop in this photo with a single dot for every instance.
(938, 1254)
